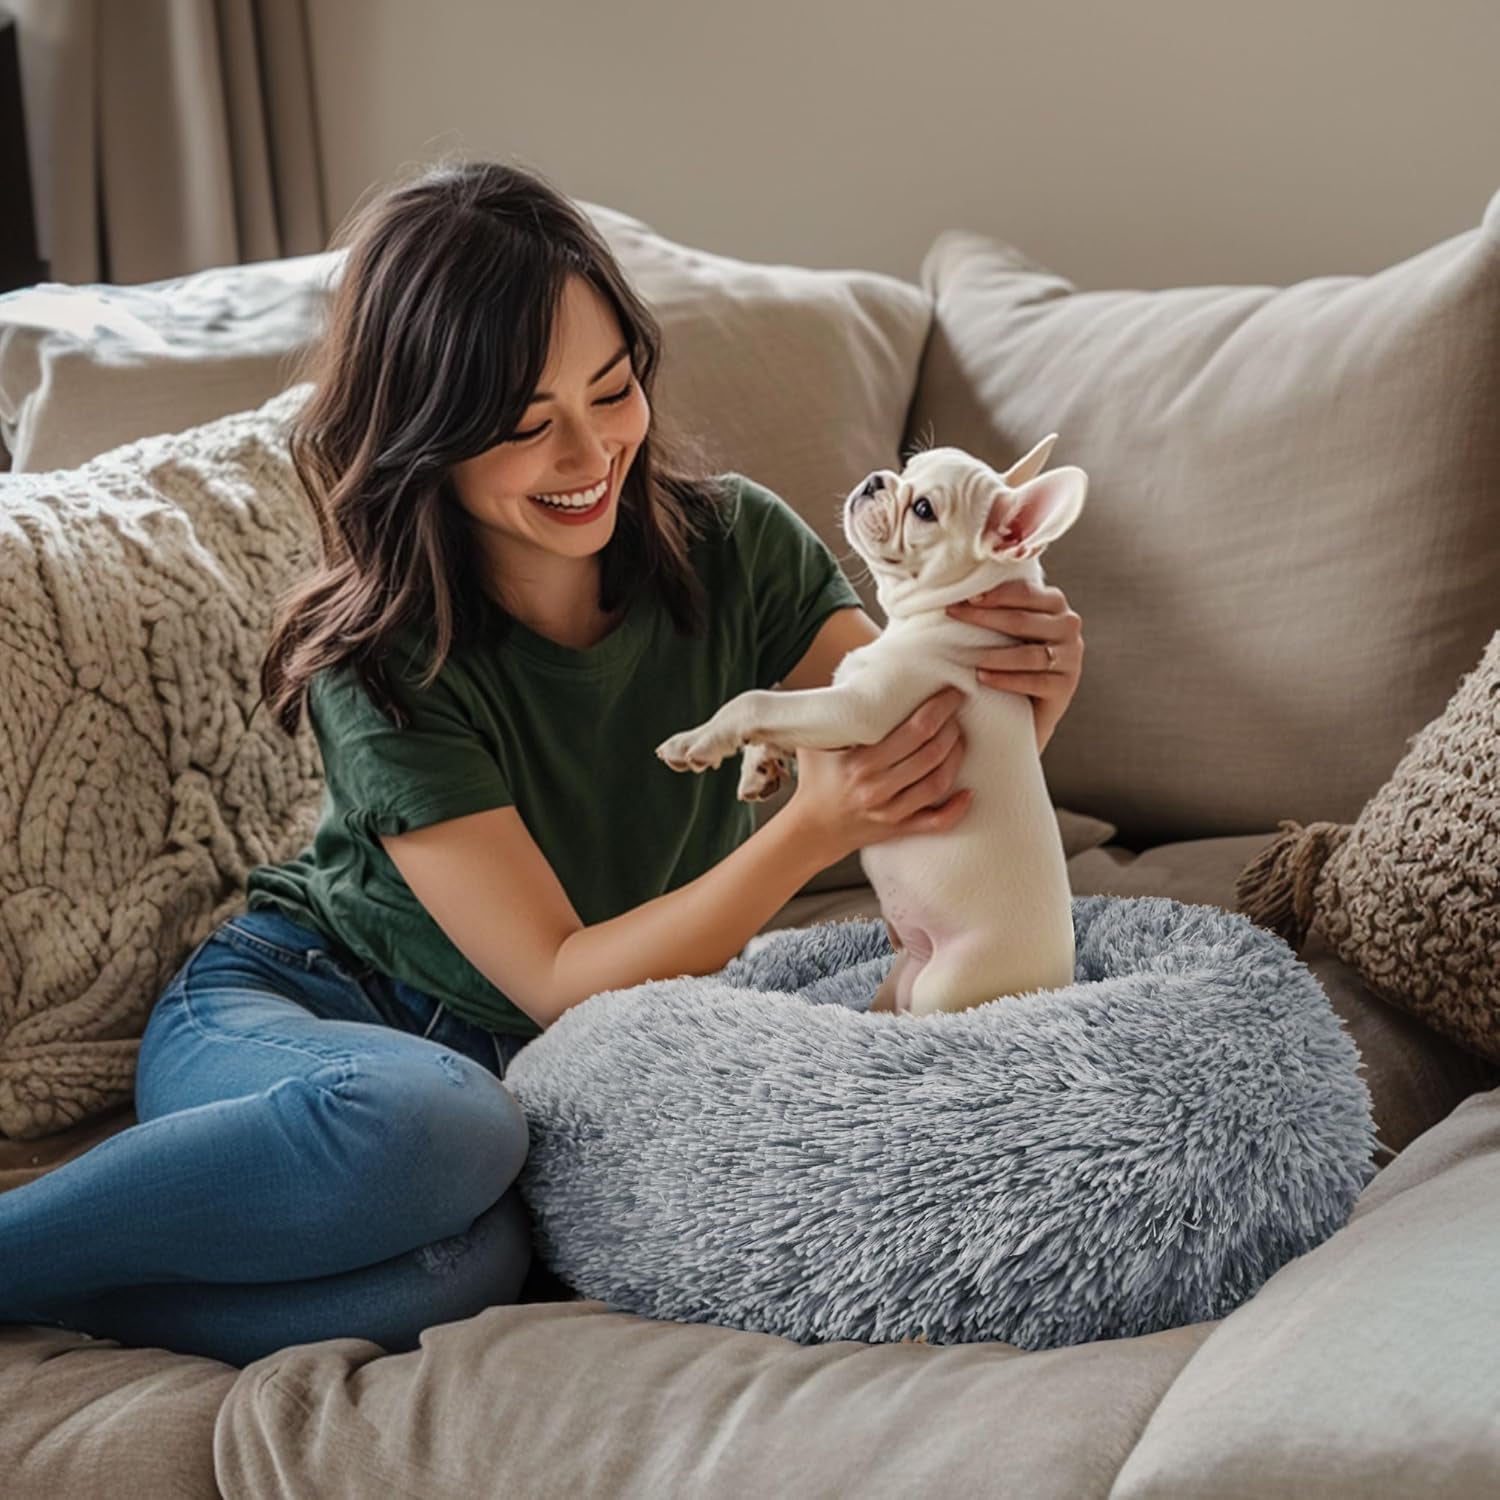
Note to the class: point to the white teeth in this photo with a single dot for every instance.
(579, 500)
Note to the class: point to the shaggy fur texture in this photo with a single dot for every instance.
(1137, 1151)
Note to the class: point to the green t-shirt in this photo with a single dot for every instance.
(568, 738)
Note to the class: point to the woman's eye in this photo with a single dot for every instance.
(619, 396)
(923, 509)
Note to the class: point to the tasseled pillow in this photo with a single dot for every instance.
(1409, 894)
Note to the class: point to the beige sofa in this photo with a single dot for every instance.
(1287, 564)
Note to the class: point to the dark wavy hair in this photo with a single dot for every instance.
(438, 331)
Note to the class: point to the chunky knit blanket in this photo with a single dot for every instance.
(138, 781)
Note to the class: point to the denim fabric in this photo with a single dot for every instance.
(322, 1151)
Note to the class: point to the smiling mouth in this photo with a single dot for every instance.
(581, 489)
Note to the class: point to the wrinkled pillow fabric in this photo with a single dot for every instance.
(1409, 894)
(84, 369)
(138, 783)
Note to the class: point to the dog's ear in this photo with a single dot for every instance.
(1023, 522)
(1030, 466)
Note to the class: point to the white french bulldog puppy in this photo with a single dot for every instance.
(983, 910)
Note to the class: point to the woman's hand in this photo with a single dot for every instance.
(903, 784)
(1038, 615)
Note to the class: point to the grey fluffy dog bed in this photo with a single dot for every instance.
(1137, 1151)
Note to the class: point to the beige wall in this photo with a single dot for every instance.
(1120, 142)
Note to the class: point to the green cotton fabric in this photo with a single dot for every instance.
(568, 738)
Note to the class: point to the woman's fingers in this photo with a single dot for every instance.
(922, 723)
(869, 762)
(928, 774)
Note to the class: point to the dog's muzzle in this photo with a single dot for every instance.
(868, 490)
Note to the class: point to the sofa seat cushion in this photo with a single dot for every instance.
(557, 1401)
(1365, 1370)
(90, 1420)
(701, 1401)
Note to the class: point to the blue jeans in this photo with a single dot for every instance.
(321, 1151)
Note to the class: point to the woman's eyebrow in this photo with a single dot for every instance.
(598, 374)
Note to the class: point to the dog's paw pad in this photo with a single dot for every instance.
(763, 781)
(685, 752)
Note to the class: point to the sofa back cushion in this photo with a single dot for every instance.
(799, 378)
(1291, 547)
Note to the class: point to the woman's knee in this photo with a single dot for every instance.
(439, 1129)
(483, 1266)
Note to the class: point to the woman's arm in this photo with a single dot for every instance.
(485, 882)
(700, 926)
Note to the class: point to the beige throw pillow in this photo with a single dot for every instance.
(1409, 895)
(799, 378)
(136, 787)
(1291, 548)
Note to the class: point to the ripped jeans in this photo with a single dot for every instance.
(322, 1151)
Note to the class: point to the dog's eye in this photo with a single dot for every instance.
(922, 509)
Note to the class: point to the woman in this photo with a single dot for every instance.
(522, 590)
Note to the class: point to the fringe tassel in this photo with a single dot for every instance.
(1275, 890)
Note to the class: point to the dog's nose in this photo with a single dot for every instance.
(875, 482)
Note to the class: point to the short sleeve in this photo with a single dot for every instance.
(794, 580)
(386, 780)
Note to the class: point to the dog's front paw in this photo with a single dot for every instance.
(700, 749)
(763, 773)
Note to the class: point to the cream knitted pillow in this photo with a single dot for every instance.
(1409, 895)
(136, 788)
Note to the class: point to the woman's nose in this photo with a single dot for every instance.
(589, 455)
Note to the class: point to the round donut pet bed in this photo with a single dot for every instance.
(1139, 1150)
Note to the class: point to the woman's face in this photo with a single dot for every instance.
(585, 422)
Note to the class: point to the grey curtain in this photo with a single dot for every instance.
(166, 136)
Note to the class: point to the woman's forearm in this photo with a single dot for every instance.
(697, 928)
